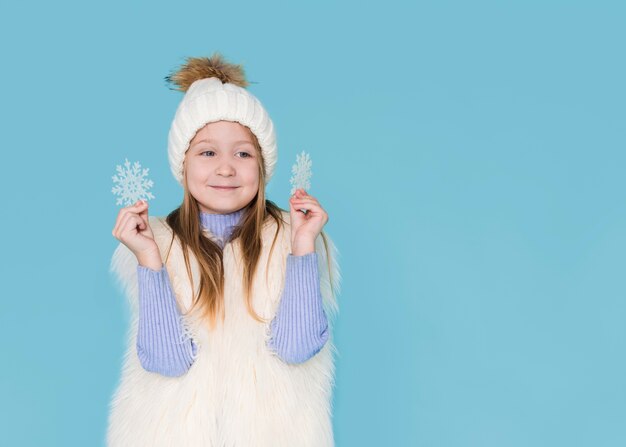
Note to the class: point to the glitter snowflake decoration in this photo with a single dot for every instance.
(301, 171)
(132, 184)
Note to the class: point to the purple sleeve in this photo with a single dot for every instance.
(160, 344)
(300, 327)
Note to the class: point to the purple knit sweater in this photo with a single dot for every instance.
(299, 329)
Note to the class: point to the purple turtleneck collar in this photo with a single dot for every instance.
(221, 225)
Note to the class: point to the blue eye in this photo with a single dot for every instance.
(247, 155)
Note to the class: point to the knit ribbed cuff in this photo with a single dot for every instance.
(300, 327)
(160, 344)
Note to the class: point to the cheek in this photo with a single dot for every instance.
(194, 171)
(251, 175)
(195, 179)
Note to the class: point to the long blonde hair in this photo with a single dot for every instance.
(185, 224)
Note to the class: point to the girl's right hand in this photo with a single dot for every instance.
(133, 230)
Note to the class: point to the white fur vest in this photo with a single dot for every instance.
(237, 392)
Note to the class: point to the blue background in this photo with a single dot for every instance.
(470, 156)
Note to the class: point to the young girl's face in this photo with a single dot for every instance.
(222, 154)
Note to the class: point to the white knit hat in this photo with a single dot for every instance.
(214, 91)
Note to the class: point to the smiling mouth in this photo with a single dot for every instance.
(225, 188)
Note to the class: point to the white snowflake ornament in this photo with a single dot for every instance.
(132, 184)
(301, 171)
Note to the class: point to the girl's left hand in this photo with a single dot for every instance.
(305, 227)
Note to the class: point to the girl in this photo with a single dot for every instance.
(232, 297)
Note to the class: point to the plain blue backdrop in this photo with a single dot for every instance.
(471, 158)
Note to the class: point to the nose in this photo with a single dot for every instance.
(225, 168)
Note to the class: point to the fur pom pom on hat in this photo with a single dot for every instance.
(215, 90)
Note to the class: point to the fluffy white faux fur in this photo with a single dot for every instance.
(237, 392)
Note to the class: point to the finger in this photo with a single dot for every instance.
(122, 218)
(124, 225)
(304, 196)
(312, 199)
(143, 210)
(134, 224)
(296, 201)
(313, 209)
(142, 222)
(302, 193)
(300, 204)
(305, 201)
(129, 225)
(124, 211)
(135, 209)
(310, 206)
